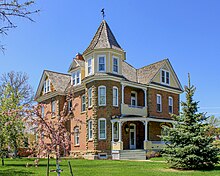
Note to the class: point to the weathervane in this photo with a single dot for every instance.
(103, 13)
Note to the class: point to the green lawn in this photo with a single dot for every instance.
(16, 167)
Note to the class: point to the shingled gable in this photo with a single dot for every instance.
(146, 74)
(76, 63)
(59, 81)
(103, 38)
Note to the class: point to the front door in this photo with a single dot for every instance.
(132, 136)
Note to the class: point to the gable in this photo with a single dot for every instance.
(174, 82)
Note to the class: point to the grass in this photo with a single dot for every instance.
(16, 167)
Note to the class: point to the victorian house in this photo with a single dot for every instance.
(122, 109)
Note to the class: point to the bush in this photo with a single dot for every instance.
(24, 152)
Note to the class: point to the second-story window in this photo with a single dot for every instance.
(101, 64)
(89, 66)
(170, 104)
(133, 98)
(42, 112)
(115, 96)
(90, 97)
(115, 65)
(83, 103)
(76, 78)
(46, 86)
(165, 77)
(102, 95)
(159, 103)
(70, 105)
(53, 107)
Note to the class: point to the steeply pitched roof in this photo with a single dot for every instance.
(103, 38)
(129, 72)
(147, 73)
(59, 80)
(76, 63)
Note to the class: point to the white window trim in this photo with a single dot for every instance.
(134, 92)
(75, 78)
(114, 87)
(83, 103)
(75, 137)
(158, 95)
(100, 119)
(169, 104)
(90, 105)
(46, 85)
(90, 130)
(99, 94)
(165, 77)
(104, 63)
(114, 57)
(90, 66)
(53, 107)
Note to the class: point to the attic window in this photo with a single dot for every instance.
(76, 78)
(46, 86)
(165, 77)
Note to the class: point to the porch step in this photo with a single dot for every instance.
(132, 155)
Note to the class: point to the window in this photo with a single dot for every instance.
(76, 78)
(42, 112)
(115, 65)
(70, 104)
(83, 99)
(101, 62)
(115, 96)
(76, 136)
(53, 107)
(165, 77)
(46, 86)
(116, 130)
(133, 98)
(90, 129)
(102, 95)
(159, 103)
(90, 97)
(102, 128)
(89, 66)
(170, 101)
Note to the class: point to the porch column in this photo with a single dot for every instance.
(122, 93)
(145, 98)
(119, 131)
(146, 130)
(113, 131)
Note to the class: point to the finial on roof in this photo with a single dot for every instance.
(103, 13)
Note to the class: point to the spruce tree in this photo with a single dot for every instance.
(188, 146)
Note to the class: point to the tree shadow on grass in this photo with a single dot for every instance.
(12, 172)
(30, 165)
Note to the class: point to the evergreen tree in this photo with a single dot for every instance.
(187, 144)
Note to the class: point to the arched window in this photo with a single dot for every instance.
(170, 101)
(76, 136)
(115, 96)
(102, 95)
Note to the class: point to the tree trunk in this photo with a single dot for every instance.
(48, 165)
(15, 150)
(3, 162)
(58, 166)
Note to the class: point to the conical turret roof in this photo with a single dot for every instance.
(103, 38)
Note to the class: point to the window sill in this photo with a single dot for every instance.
(77, 145)
(83, 112)
(90, 107)
(102, 139)
(90, 140)
(102, 105)
(116, 106)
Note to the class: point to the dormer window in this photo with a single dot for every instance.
(115, 65)
(101, 64)
(46, 86)
(89, 66)
(165, 77)
(76, 78)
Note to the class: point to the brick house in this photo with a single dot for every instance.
(122, 108)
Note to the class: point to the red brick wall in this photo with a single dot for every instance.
(152, 102)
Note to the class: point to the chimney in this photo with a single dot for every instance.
(79, 57)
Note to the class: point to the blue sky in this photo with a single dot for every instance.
(185, 31)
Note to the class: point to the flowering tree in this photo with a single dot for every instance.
(11, 121)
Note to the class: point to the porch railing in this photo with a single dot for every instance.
(133, 110)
